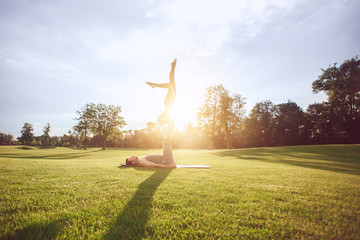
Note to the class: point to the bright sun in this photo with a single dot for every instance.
(186, 107)
(189, 98)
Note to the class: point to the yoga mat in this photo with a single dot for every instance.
(192, 166)
(177, 166)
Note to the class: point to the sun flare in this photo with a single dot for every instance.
(186, 107)
(189, 97)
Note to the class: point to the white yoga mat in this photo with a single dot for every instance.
(177, 166)
(192, 166)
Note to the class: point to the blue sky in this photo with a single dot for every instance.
(56, 56)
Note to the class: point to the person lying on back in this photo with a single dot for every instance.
(149, 161)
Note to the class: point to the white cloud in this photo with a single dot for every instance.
(198, 28)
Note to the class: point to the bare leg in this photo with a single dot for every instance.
(159, 85)
(167, 148)
(171, 94)
(169, 100)
(172, 72)
(171, 83)
(165, 117)
(169, 131)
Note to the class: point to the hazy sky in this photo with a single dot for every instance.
(56, 56)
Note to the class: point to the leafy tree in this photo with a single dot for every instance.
(150, 126)
(208, 116)
(35, 142)
(46, 135)
(342, 86)
(231, 115)
(143, 138)
(85, 118)
(106, 122)
(152, 135)
(6, 139)
(129, 138)
(220, 114)
(323, 129)
(259, 127)
(191, 137)
(27, 134)
(69, 140)
(55, 141)
(291, 124)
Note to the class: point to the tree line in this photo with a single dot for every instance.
(336, 120)
(222, 121)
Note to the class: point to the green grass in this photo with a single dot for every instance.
(302, 192)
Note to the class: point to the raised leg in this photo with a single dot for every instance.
(159, 85)
(165, 117)
(172, 73)
(171, 94)
(169, 131)
(167, 148)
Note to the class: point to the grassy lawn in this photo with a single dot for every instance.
(308, 192)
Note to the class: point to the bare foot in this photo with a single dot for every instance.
(150, 84)
(173, 64)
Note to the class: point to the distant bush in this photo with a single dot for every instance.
(6, 139)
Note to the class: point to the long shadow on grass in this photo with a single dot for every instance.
(131, 222)
(59, 156)
(336, 158)
(39, 230)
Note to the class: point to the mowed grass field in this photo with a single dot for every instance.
(301, 192)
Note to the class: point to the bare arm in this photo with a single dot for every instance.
(145, 163)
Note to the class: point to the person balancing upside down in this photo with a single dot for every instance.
(166, 160)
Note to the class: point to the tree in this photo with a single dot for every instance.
(150, 126)
(231, 115)
(69, 140)
(106, 121)
(342, 86)
(46, 135)
(27, 134)
(85, 118)
(208, 117)
(6, 139)
(221, 114)
(323, 129)
(259, 127)
(291, 124)
(129, 138)
(191, 137)
(152, 135)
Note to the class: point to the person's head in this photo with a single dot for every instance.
(133, 160)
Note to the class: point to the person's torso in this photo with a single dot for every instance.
(155, 158)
